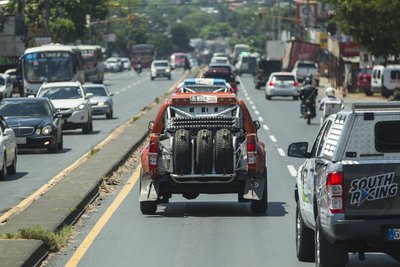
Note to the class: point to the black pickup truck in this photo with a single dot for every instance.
(347, 190)
(264, 68)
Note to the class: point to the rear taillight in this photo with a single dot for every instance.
(334, 184)
(251, 154)
(296, 84)
(271, 84)
(153, 155)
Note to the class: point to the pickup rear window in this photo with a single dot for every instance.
(387, 137)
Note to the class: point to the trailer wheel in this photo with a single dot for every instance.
(204, 151)
(182, 152)
(223, 151)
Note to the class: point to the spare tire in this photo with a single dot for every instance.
(223, 152)
(182, 152)
(204, 152)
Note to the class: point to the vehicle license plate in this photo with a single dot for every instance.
(394, 233)
(203, 99)
(21, 140)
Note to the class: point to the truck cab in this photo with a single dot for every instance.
(347, 190)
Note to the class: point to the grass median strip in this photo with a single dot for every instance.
(54, 240)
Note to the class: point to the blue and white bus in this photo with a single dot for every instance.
(50, 63)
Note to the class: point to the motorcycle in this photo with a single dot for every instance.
(138, 68)
(309, 110)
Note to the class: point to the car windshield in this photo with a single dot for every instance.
(307, 65)
(161, 64)
(283, 78)
(96, 91)
(24, 109)
(2, 81)
(67, 92)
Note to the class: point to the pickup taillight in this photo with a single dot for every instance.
(251, 153)
(153, 155)
(334, 184)
(271, 84)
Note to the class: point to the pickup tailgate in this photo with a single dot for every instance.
(371, 190)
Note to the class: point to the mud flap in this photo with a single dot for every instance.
(254, 188)
(148, 189)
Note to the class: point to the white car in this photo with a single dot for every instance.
(8, 150)
(70, 99)
(282, 84)
(6, 86)
(113, 64)
(126, 63)
(160, 68)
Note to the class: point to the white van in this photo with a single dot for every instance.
(389, 79)
(376, 78)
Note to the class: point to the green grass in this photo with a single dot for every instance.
(54, 240)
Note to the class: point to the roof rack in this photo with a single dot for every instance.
(371, 106)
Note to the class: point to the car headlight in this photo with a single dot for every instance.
(80, 107)
(46, 130)
(101, 103)
(167, 70)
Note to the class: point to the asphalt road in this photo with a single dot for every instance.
(213, 230)
(132, 92)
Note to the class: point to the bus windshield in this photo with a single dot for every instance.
(48, 66)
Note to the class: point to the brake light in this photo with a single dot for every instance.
(295, 84)
(251, 153)
(271, 84)
(153, 155)
(334, 184)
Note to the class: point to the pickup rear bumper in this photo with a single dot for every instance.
(362, 229)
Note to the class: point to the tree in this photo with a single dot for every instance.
(374, 24)
(180, 38)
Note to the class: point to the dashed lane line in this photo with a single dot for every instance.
(265, 127)
(256, 112)
(281, 152)
(273, 139)
(254, 107)
(251, 102)
(292, 170)
(260, 119)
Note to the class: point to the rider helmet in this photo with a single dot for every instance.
(307, 81)
(330, 91)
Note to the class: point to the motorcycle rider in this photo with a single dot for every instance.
(307, 93)
(139, 65)
(329, 96)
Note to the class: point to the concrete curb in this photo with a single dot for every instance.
(67, 200)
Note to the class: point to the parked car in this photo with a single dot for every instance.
(160, 68)
(8, 150)
(377, 79)
(126, 63)
(70, 99)
(6, 86)
(364, 81)
(282, 84)
(35, 122)
(102, 102)
(390, 79)
(113, 64)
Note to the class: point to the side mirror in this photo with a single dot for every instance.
(298, 150)
(150, 126)
(257, 124)
(58, 115)
(111, 94)
(237, 82)
(89, 95)
(8, 132)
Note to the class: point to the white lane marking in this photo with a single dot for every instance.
(281, 152)
(273, 139)
(250, 102)
(265, 127)
(117, 93)
(292, 170)
(260, 119)
(130, 86)
(248, 98)
(123, 90)
(256, 112)
(253, 107)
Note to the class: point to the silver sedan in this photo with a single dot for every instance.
(282, 84)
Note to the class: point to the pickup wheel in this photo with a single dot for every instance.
(261, 206)
(304, 239)
(204, 151)
(223, 151)
(182, 152)
(148, 207)
(327, 254)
